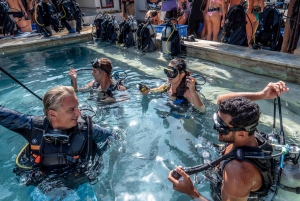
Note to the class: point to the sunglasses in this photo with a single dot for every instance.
(222, 127)
(171, 72)
(50, 138)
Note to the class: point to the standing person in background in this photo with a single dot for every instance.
(168, 10)
(18, 11)
(212, 18)
(154, 15)
(196, 16)
(184, 7)
(254, 8)
(128, 8)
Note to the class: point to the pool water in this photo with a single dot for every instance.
(153, 138)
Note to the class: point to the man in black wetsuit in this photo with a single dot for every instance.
(196, 16)
(236, 122)
(59, 142)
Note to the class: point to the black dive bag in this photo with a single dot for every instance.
(234, 31)
(70, 11)
(45, 17)
(6, 23)
(126, 35)
(267, 35)
(144, 38)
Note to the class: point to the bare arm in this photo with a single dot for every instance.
(239, 179)
(185, 185)
(73, 76)
(224, 11)
(272, 90)
(193, 96)
(22, 7)
(161, 88)
(250, 6)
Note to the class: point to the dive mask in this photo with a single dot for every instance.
(223, 128)
(95, 64)
(55, 137)
(171, 72)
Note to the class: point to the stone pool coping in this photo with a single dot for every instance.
(274, 64)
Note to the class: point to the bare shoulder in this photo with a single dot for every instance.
(240, 178)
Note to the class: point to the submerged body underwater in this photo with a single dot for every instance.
(155, 136)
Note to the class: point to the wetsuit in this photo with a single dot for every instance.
(196, 16)
(53, 156)
(263, 165)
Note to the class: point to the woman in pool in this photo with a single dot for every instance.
(181, 86)
(103, 84)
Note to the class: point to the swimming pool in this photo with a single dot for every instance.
(153, 139)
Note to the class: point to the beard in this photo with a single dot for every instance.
(226, 138)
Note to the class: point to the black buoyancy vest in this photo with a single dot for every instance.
(60, 154)
(263, 165)
(113, 86)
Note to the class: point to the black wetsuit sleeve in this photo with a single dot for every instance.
(16, 122)
(100, 134)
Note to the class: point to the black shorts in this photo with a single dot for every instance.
(17, 14)
(171, 14)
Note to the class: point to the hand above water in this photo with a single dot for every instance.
(272, 90)
(184, 185)
(73, 74)
(190, 83)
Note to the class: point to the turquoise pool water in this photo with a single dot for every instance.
(153, 138)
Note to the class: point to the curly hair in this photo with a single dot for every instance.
(181, 66)
(243, 112)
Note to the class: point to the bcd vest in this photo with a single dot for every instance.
(48, 154)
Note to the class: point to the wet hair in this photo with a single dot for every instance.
(105, 65)
(54, 97)
(243, 111)
(181, 66)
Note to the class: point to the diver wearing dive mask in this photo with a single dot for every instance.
(103, 85)
(180, 86)
(223, 128)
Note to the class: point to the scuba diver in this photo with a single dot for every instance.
(69, 11)
(181, 86)
(238, 177)
(44, 17)
(104, 83)
(61, 143)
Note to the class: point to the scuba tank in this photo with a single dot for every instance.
(133, 27)
(166, 35)
(152, 32)
(113, 31)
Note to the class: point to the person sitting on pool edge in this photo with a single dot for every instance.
(103, 84)
(181, 85)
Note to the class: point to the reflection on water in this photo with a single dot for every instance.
(155, 136)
